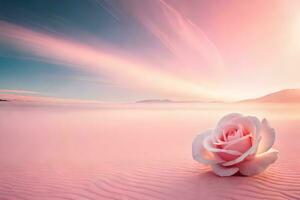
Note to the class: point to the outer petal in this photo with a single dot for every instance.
(268, 137)
(258, 164)
(200, 154)
(252, 150)
(224, 171)
(227, 118)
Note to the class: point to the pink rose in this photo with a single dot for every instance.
(237, 144)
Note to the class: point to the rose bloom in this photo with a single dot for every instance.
(237, 144)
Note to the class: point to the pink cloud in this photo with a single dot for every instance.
(44, 99)
(249, 43)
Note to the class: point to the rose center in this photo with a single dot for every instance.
(235, 138)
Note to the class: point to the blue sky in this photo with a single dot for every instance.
(76, 19)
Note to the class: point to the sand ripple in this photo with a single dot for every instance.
(157, 181)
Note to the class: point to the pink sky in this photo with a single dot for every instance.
(244, 49)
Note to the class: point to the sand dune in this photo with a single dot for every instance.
(116, 154)
(282, 96)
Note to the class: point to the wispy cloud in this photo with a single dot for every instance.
(115, 64)
(18, 91)
(196, 50)
(188, 44)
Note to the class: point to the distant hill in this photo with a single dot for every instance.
(282, 96)
(155, 101)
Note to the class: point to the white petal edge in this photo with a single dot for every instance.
(224, 171)
(259, 163)
(268, 137)
(252, 150)
(199, 152)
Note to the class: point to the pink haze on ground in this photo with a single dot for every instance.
(134, 152)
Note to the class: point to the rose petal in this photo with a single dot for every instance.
(259, 163)
(235, 136)
(227, 118)
(200, 154)
(224, 143)
(224, 171)
(224, 121)
(209, 146)
(241, 145)
(242, 157)
(225, 130)
(268, 137)
(252, 124)
(257, 125)
(227, 157)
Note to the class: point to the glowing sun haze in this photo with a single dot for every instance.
(131, 50)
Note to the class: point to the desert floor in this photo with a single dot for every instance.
(136, 152)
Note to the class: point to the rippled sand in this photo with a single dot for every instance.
(136, 152)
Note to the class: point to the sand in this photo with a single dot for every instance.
(136, 152)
